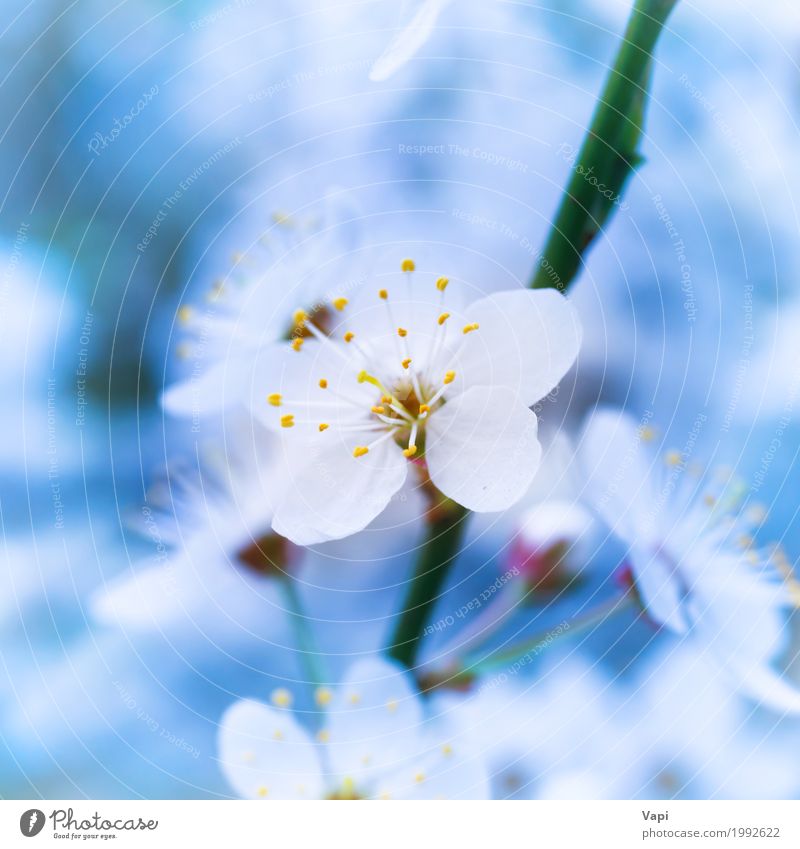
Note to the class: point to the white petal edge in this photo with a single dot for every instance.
(482, 449)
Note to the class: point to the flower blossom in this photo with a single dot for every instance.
(375, 743)
(407, 377)
(692, 555)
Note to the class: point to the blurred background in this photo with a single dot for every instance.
(147, 146)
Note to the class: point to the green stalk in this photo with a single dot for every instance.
(609, 153)
(434, 560)
(306, 645)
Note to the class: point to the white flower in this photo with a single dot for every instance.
(408, 376)
(214, 549)
(375, 743)
(691, 553)
(251, 307)
(404, 45)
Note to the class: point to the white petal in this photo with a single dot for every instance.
(329, 494)
(527, 340)
(482, 449)
(375, 722)
(442, 769)
(617, 465)
(659, 585)
(264, 754)
(219, 387)
(409, 41)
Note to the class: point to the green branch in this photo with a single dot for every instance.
(437, 554)
(609, 153)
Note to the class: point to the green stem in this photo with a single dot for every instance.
(306, 645)
(468, 668)
(436, 556)
(609, 152)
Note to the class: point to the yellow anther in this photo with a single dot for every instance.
(408, 265)
(360, 450)
(386, 399)
(672, 458)
(402, 332)
(449, 377)
(281, 697)
(447, 750)
(647, 433)
(277, 734)
(441, 283)
(323, 735)
(323, 696)
(183, 351)
(349, 336)
(365, 760)
(424, 408)
(366, 377)
(391, 705)
(275, 399)
(378, 409)
(354, 698)
(410, 451)
(383, 294)
(443, 317)
(297, 342)
(287, 420)
(281, 217)
(406, 362)
(745, 541)
(184, 314)
(709, 500)
(340, 303)
(300, 317)
(323, 384)
(323, 426)
(386, 796)
(468, 328)
(419, 777)
(262, 792)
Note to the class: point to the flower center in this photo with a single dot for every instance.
(410, 377)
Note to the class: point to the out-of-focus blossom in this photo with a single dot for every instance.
(375, 742)
(689, 547)
(408, 42)
(406, 374)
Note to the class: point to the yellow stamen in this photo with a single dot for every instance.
(281, 697)
(349, 336)
(383, 294)
(287, 421)
(447, 750)
(386, 399)
(323, 735)
(441, 283)
(297, 343)
(184, 314)
(443, 317)
(391, 705)
(262, 792)
(408, 265)
(366, 377)
(406, 362)
(323, 696)
(378, 409)
(402, 332)
(300, 317)
(360, 450)
(672, 458)
(410, 451)
(277, 734)
(323, 384)
(275, 399)
(449, 377)
(323, 426)
(419, 777)
(340, 303)
(647, 433)
(424, 408)
(468, 328)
